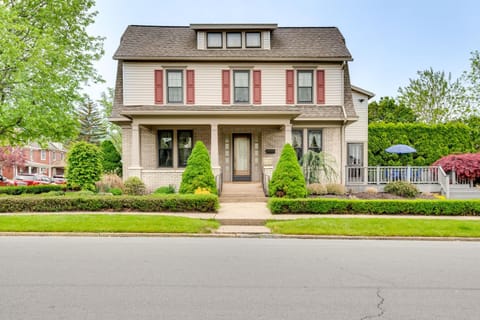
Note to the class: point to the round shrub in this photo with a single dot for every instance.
(287, 178)
(316, 189)
(402, 189)
(198, 173)
(84, 166)
(134, 186)
(170, 189)
(116, 191)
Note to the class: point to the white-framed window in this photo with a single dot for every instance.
(43, 154)
(174, 86)
(252, 40)
(241, 86)
(234, 39)
(304, 86)
(315, 140)
(355, 154)
(214, 40)
(297, 143)
(168, 140)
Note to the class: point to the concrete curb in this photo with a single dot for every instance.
(227, 235)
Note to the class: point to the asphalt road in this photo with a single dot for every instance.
(212, 278)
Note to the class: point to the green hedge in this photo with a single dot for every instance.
(431, 142)
(36, 189)
(174, 203)
(394, 207)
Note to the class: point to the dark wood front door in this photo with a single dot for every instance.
(242, 157)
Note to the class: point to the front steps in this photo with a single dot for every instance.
(242, 192)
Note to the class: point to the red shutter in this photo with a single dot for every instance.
(257, 87)
(158, 86)
(321, 86)
(190, 86)
(226, 86)
(290, 87)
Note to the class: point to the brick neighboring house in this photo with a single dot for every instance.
(47, 161)
(244, 90)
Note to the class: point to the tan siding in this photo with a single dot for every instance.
(266, 39)
(333, 86)
(273, 84)
(138, 86)
(358, 131)
(208, 84)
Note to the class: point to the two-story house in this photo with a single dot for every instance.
(244, 90)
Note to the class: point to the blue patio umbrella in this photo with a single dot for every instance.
(400, 149)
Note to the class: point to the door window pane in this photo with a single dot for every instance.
(234, 40)
(165, 148)
(175, 86)
(241, 86)
(252, 39)
(305, 86)
(297, 143)
(185, 143)
(355, 154)
(214, 40)
(315, 140)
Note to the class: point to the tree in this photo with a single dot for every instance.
(198, 173)
(435, 98)
(388, 110)
(12, 156)
(112, 161)
(46, 57)
(93, 125)
(114, 132)
(472, 77)
(287, 178)
(84, 166)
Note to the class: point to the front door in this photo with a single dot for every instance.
(242, 157)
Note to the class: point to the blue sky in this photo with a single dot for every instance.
(389, 40)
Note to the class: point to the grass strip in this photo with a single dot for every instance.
(105, 223)
(377, 227)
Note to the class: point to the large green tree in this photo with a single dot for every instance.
(389, 110)
(46, 57)
(435, 98)
(472, 78)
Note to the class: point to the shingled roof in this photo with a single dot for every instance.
(287, 43)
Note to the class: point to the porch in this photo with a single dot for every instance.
(426, 179)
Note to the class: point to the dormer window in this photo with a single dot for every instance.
(252, 39)
(214, 40)
(234, 39)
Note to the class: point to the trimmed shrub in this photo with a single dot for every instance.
(198, 173)
(172, 203)
(116, 191)
(378, 207)
(134, 186)
(84, 166)
(112, 160)
(170, 189)
(287, 179)
(36, 189)
(316, 189)
(402, 189)
(335, 188)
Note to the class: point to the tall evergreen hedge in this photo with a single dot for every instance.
(198, 173)
(287, 179)
(431, 142)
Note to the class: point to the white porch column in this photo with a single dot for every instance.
(214, 145)
(288, 133)
(135, 169)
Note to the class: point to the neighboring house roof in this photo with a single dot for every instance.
(367, 93)
(179, 43)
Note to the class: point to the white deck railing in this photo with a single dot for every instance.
(384, 175)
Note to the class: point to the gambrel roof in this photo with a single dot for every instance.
(179, 43)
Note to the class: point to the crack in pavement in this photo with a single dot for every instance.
(379, 307)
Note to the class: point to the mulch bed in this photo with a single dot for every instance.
(371, 196)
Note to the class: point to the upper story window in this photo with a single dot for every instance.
(241, 85)
(214, 40)
(234, 39)
(305, 86)
(175, 86)
(252, 39)
(43, 155)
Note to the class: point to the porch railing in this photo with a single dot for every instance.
(384, 175)
(444, 180)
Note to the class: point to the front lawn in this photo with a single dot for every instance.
(378, 227)
(105, 223)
